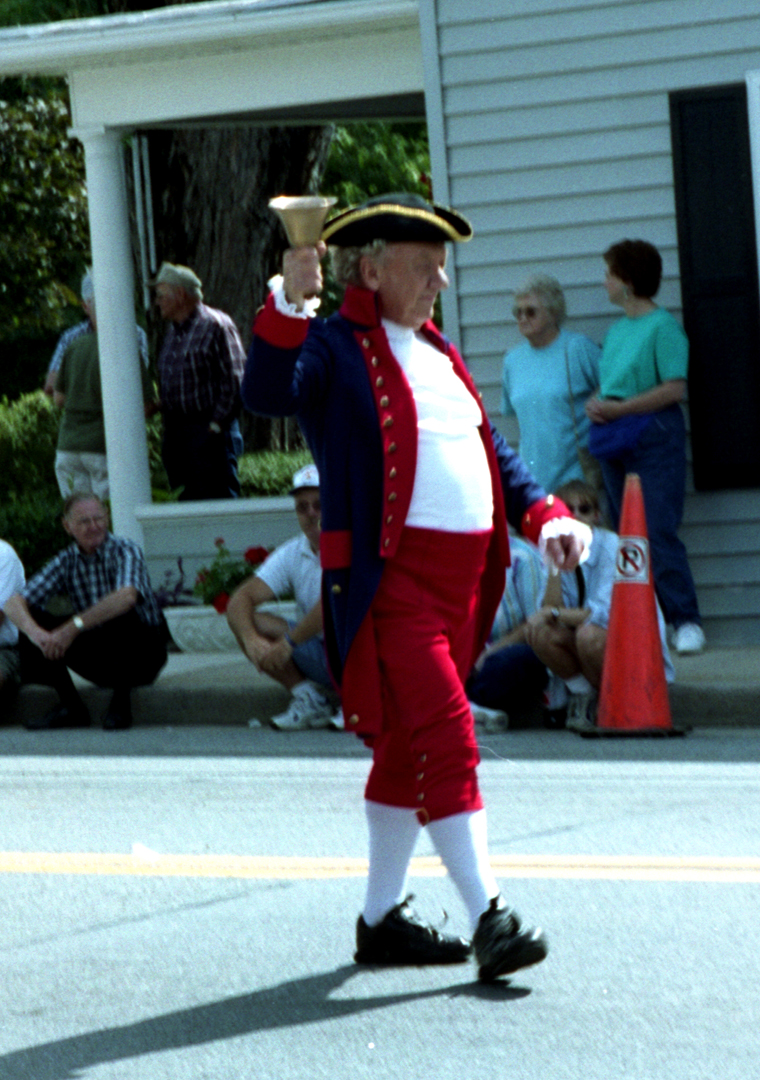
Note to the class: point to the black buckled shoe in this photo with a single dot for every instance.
(404, 938)
(502, 946)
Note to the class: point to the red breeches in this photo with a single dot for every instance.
(423, 618)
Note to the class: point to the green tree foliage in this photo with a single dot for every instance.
(43, 214)
(373, 157)
(370, 158)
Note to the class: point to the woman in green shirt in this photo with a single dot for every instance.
(638, 425)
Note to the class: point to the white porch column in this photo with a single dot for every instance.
(126, 443)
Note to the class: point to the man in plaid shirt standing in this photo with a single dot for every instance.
(116, 635)
(200, 369)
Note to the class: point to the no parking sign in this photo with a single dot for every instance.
(632, 562)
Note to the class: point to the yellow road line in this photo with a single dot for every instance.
(596, 867)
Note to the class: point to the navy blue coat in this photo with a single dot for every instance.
(357, 414)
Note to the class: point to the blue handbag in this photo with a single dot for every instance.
(610, 440)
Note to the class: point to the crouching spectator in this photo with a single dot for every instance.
(11, 581)
(569, 631)
(116, 636)
(292, 653)
(508, 678)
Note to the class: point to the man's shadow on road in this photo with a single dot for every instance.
(290, 1004)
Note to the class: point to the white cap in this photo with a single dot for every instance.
(308, 476)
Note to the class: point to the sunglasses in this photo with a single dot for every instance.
(529, 312)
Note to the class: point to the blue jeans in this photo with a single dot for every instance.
(202, 463)
(511, 679)
(660, 461)
(309, 657)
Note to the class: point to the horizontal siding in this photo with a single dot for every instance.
(452, 13)
(638, 51)
(558, 135)
(557, 131)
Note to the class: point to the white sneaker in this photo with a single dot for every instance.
(689, 638)
(337, 721)
(308, 709)
(581, 711)
(555, 694)
(493, 720)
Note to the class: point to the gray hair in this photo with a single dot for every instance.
(549, 291)
(87, 290)
(77, 497)
(346, 261)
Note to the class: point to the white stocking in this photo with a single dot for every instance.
(393, 832)
(462, 842)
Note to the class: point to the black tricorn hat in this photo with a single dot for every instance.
(397, 217)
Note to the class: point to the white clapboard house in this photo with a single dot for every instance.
(556, 126)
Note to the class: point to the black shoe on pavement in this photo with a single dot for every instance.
(116, 721)
(62, 716)
(502, 946)
(118, 715)
(403, 938)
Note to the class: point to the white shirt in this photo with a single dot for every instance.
(294, 568)
(452, 482)
(11, 581)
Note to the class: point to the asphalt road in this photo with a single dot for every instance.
(179, 904)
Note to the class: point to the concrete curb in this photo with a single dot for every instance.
(719, 688)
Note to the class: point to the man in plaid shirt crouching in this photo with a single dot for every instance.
(116, 635)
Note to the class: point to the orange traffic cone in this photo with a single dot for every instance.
(633, 698)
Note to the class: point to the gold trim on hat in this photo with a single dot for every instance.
(350, 217)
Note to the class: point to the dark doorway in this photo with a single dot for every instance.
(719, 282)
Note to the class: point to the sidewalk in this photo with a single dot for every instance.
(720, 687)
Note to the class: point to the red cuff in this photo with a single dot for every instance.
(538, 513)
(279, 330)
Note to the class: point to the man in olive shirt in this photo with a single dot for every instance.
(80, 460)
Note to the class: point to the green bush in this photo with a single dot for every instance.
(30, 503)
(270, 472)
(28, 437)
(32, 525)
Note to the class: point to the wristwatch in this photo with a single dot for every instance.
(78, 621)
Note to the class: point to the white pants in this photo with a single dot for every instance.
(81, 471)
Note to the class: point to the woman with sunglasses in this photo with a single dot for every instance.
(546, 381)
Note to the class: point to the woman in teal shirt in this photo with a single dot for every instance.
(638, 425)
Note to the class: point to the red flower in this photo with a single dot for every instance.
(221, 601)
(254, 556)
(219, 542)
